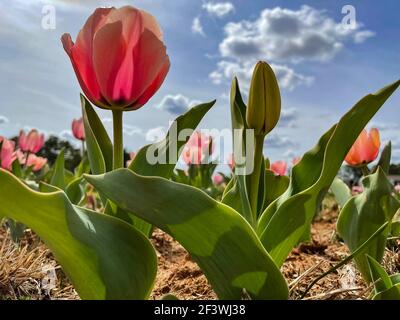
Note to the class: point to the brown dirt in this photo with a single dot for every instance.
(23, 269)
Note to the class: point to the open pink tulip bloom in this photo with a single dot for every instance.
(7, 153)
(279, 167)
(78, 129)
(32, 142)
(119, 57)
(365, 149)
(197, 148)
(218, 179)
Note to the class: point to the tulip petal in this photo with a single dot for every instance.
(109, 51)
(151, 24)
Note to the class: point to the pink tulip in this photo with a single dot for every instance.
(397, 188)
(279, 167)
(78, 130)
(35, 162)
(132, 157)
(197, 148)
(119, 57)
(218, 179)
(7, 153)
(231, 161)
(32, 142)
(20, 156)
(356, 190)
(365, 149)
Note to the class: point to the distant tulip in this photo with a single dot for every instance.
(197, 148)
(35, 162)
(78, 130)
(32, 142)
(132, 157)
(7, 153)
(397, 188)
(356, 190)
(119, 57)
(231, 161)
(365, 149)
(296, 160)
(279, 167)
(218, 179)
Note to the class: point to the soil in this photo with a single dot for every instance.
(27, 269)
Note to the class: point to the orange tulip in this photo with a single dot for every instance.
(119, 57)
(365, 149)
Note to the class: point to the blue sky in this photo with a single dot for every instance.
(323, 68)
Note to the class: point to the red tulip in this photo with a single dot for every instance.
(119, 57)
(279, 167)
(7, 153)
(32, 142)
(197, 148)
(218, 179)
(78, 129)
(365, 149)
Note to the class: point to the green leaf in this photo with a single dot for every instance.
(379, 276)
(275, 186)
(341, 191)
(98, 143)
(384, 161)
(217, 237)
(363, 214)
(104, 257)
(189, 120)
(288, 218)
(391, 294)
(74, 191)
(58, 176)
(140, 165)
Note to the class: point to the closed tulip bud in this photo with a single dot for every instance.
(78, 129)
(264, 107)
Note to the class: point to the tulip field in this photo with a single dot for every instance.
(165, 221)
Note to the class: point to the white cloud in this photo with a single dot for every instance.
(3, 119)
(226, 70)
(281, 34)
(176, 104)
(277, 141)
(218, 9)
(197, 28)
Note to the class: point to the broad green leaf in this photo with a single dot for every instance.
(84, 167)
(189, 120)
(104, 257)
(363, 214)
(391, 294)
(379, 276)
(395, 232)
(341, 191)
(98, 143)
(275, 186)
(140, 165)
(217, 237)
(58, 177)
(74, 191)
(288, 218)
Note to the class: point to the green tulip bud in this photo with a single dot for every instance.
(264, 107)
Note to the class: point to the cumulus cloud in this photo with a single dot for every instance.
(218, 9)
(155, 134)
(281, 34)
(3, 119)
(287, 77)
(197, 27)
(176, 104)
(288, 117)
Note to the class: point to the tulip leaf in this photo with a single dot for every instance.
(140, 164)
(222, 243)
(104, 257)
(363, 214)
(341, 191)
(284, 223)
(384, 160)
(74, 191)
(58, 176)
(98, 143)
(379, 276)
(275, 186)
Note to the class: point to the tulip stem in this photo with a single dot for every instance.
(255, 177)
(118, 159)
